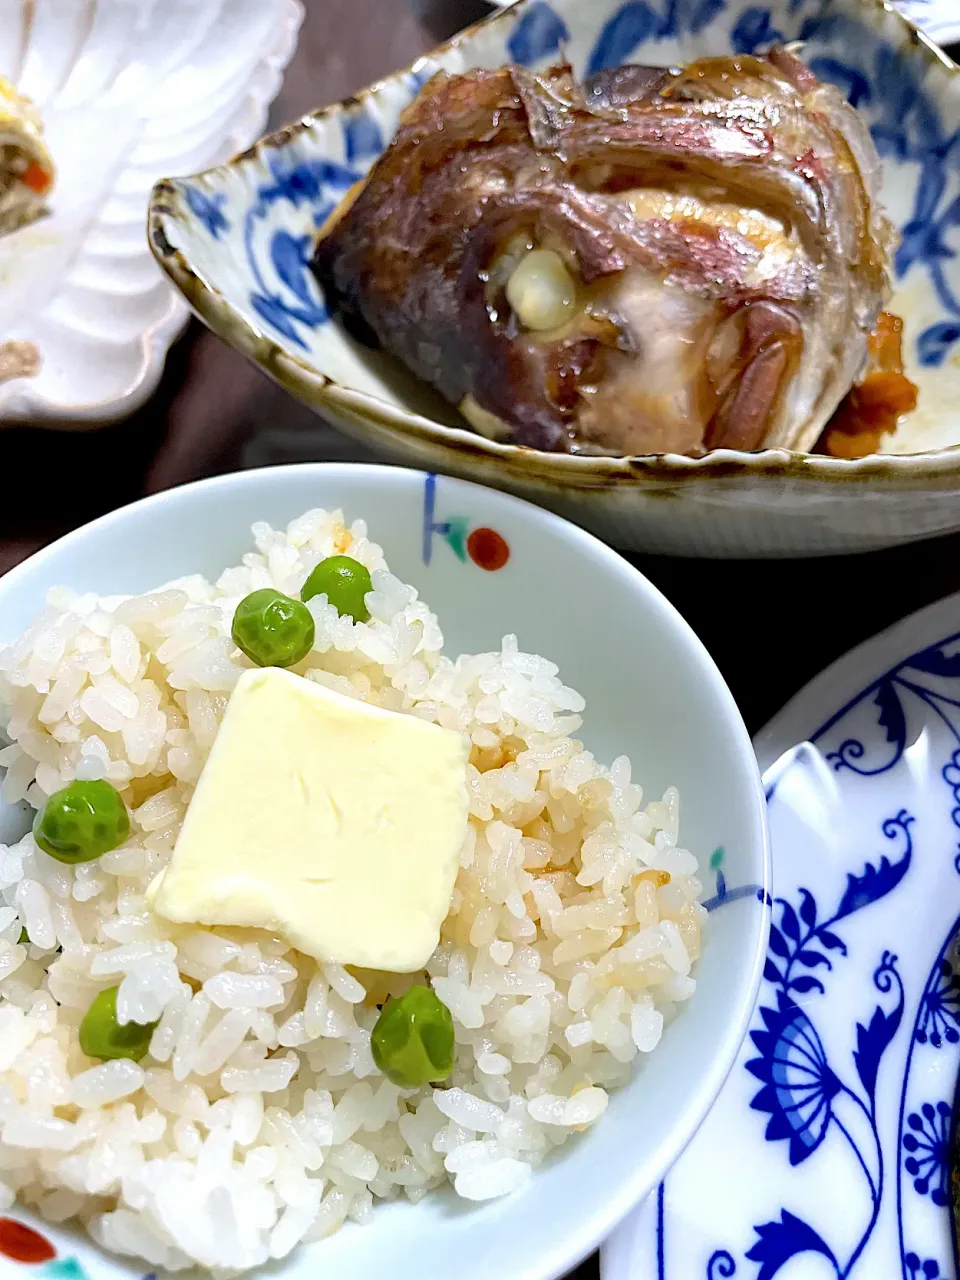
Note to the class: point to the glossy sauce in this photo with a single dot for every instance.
(875, 405)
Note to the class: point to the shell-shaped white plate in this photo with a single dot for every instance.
(828, 1152)
(128, 90)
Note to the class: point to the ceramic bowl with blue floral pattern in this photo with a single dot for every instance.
(238, 239)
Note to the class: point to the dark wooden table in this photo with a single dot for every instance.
(770, 625)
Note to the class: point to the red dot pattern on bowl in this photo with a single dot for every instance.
(23, 1244)
(488, 549)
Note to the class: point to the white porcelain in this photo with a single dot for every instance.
(128, 90)
(852, 1179)
(651, 690)
(940, 19)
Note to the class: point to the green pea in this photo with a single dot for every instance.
(82, 822)
(345, 582)
(412, 1041)
(273, 630)
(102, 1036)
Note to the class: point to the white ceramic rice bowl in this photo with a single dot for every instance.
(651, 691)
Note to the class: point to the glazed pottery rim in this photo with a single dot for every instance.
(569, 471)
(692, 1110)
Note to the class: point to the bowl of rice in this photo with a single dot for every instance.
(599, 960)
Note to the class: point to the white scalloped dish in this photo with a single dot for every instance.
(126, 92)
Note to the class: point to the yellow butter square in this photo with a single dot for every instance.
(334, 824)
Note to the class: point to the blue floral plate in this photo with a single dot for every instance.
(827, 1154)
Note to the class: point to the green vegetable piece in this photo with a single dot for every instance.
(82, 822)
(102, 1036)
(273, 630)
(24, 937)
(345, 582)
(412, 1041)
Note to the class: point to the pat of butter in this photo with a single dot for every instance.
(334, 824)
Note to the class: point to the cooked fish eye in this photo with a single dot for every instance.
(541, 291)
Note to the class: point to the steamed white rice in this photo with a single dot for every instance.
(258, 1118)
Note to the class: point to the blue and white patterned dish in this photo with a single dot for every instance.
(827, 1154)
(237, 241)
(940, 19)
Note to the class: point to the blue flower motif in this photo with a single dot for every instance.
(929, 1151)
(798, 1084)
(939, 1018)
(292, 182)
(926, 1270)
(290, 256)
(936, 341)
(853, 83)
(638, 21)
(208, 208)
(779, 1241)
(921, 240)
(286, 295)
(631, 25)
(538, 34)
(721, 1265)
(951, 776)
(754, 30)
(304, 181)
(362, 138)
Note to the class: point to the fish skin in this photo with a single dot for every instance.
(770, 312)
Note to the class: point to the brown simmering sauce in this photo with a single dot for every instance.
(872, 408)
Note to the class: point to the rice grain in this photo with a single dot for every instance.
(259, 1118)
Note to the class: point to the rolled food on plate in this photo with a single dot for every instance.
(26, 170)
